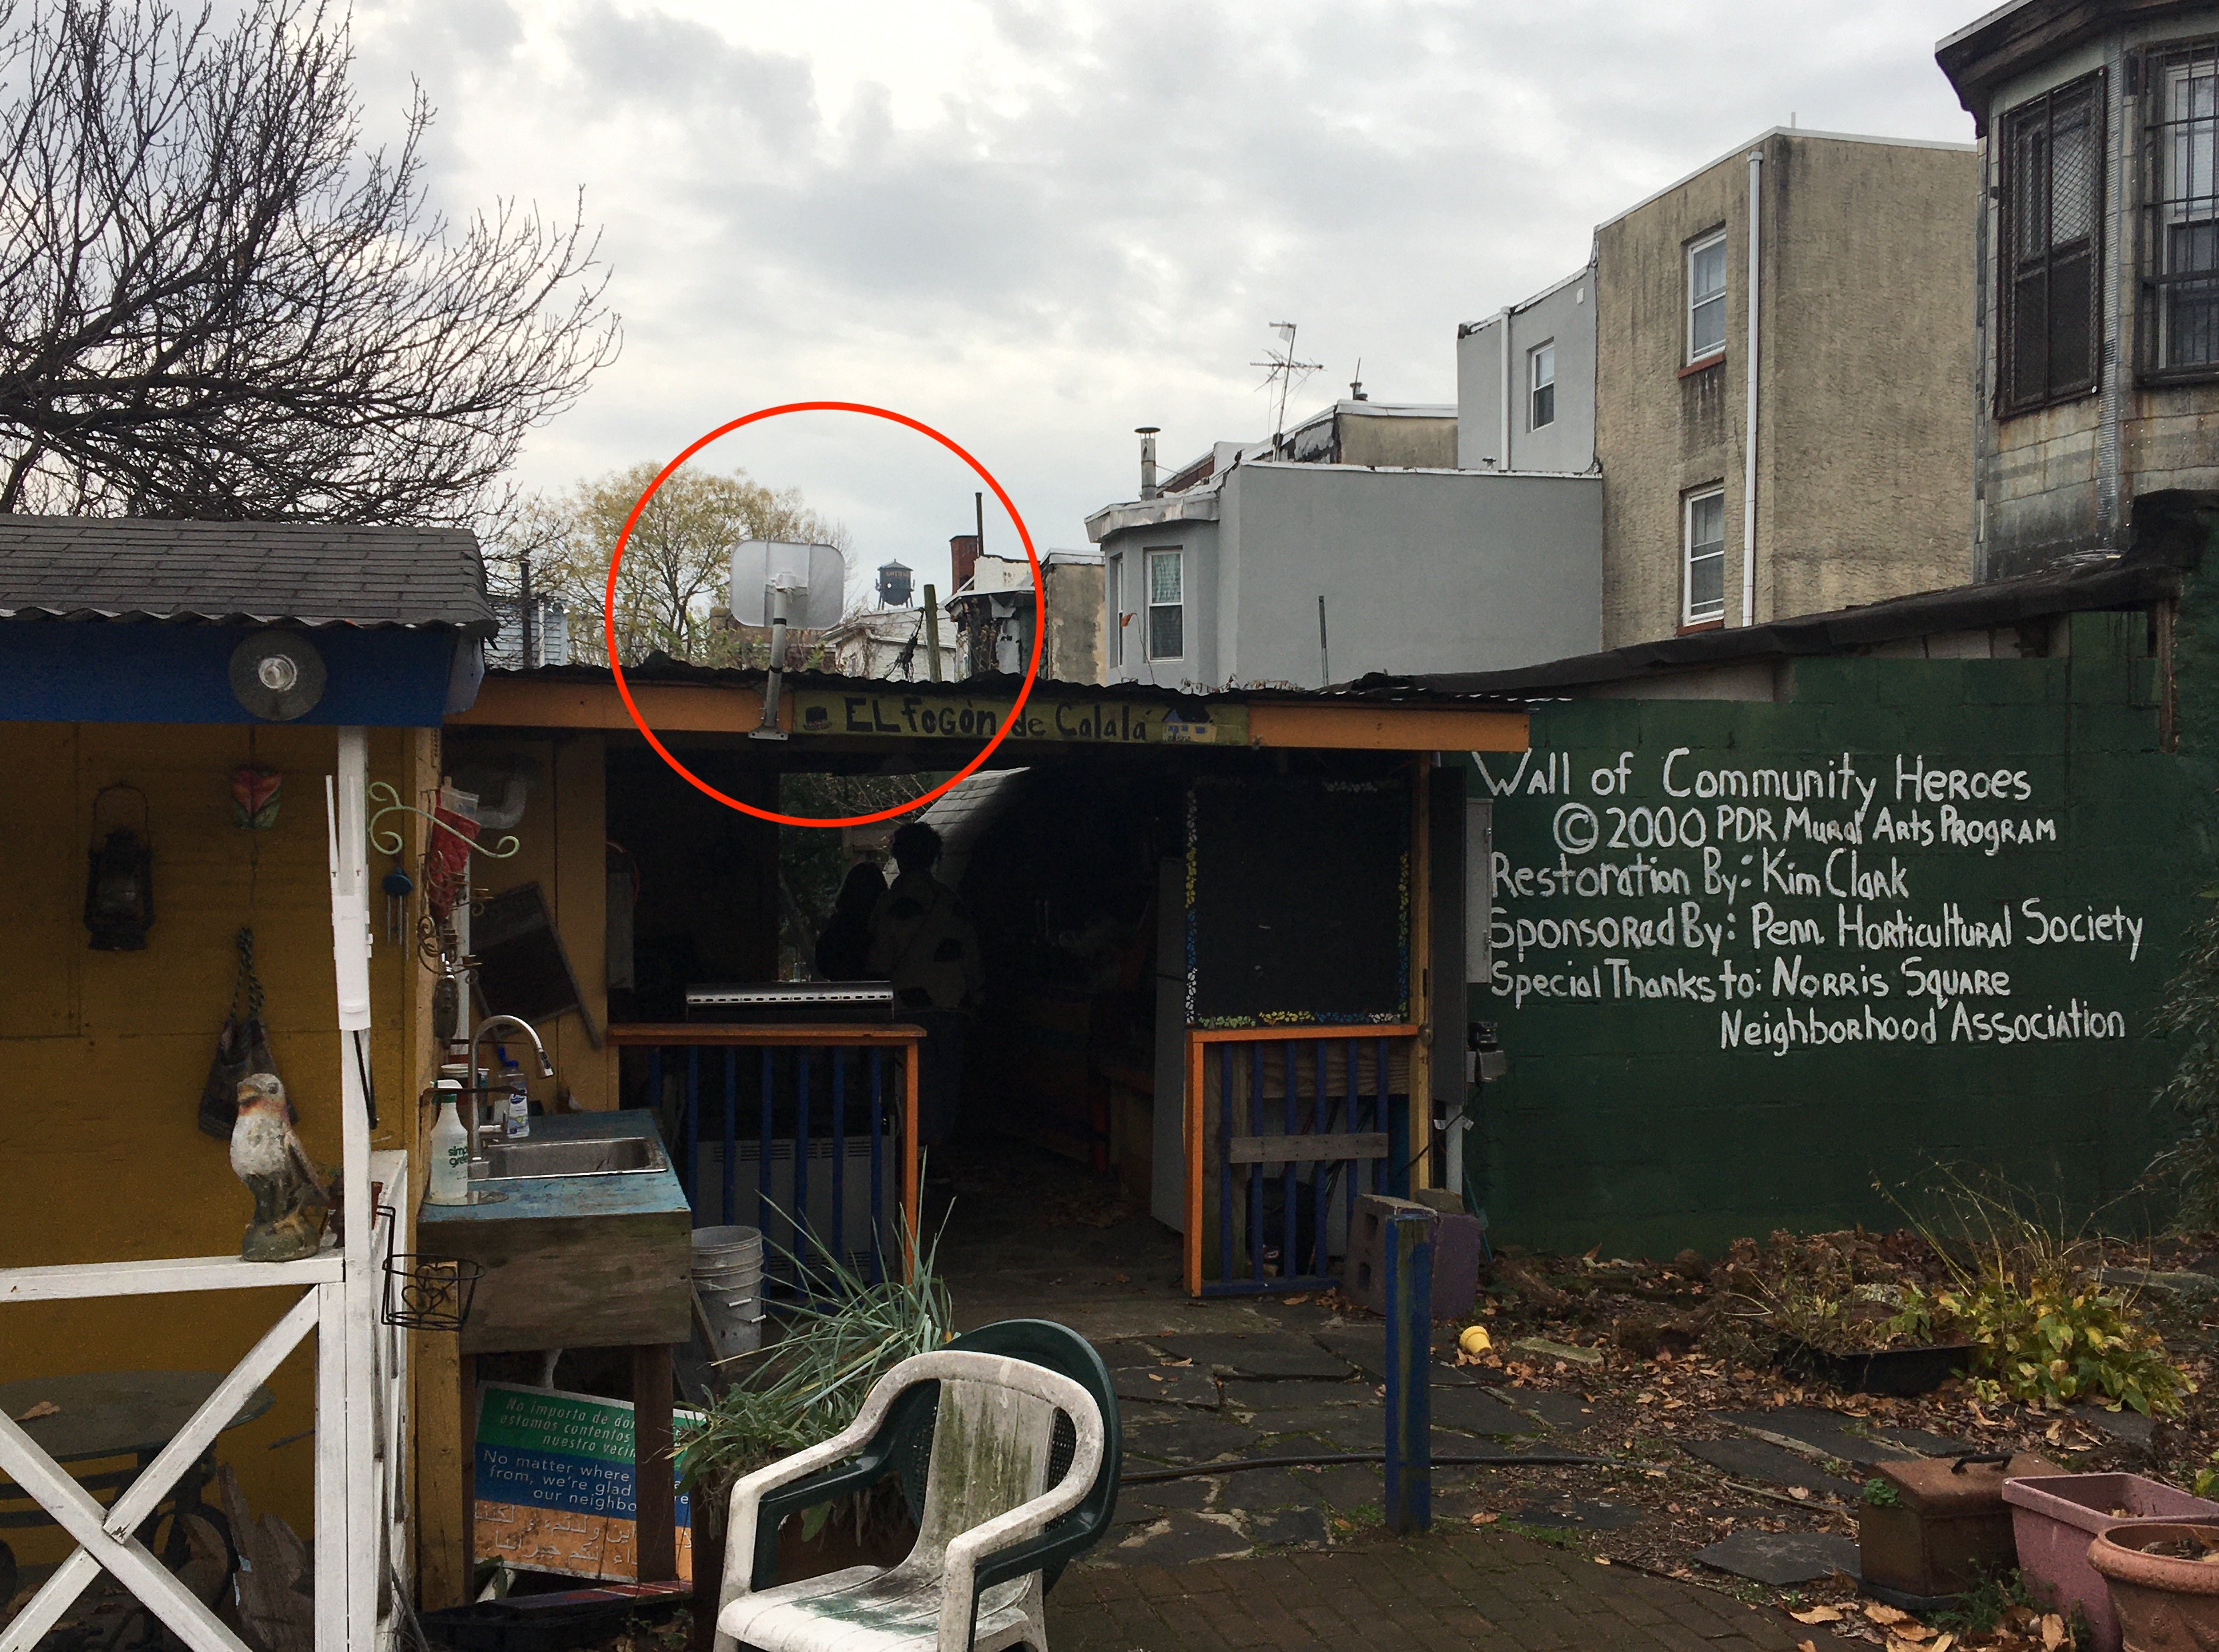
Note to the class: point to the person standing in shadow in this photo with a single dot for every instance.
(922, 941)
(844, 950)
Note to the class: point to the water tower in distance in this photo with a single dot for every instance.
(894, 585)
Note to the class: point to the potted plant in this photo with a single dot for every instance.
(839, 1338)
(2164, 1581)
(1846, 1309)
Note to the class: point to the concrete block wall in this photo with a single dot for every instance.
(1748, 958)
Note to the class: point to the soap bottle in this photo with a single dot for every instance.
(517, 1123)
(450, 1176)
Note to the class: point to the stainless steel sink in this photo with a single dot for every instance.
(520, 1161)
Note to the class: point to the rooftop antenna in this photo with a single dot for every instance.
(1286, 372)
(1356, 384)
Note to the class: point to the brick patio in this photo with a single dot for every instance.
(1449, 1592)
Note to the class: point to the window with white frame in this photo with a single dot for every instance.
(1706, 297)
(1703, 539)
(2181, 250)
(1541, 376)
(1114, 573)
(1166, 605)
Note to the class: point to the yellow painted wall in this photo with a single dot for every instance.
(103, 1054)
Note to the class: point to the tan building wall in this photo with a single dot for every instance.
(1864, 445)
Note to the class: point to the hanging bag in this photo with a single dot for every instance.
(242, 1047)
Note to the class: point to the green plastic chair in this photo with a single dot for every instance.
(903, 1447)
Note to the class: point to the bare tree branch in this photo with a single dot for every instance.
(214, 302)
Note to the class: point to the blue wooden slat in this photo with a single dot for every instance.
(1255, 1116)
(839, 1241)
(801, 1223)
(1224, 1160)
(1320, 1177)
(693, 1129)
(1380, 1109)
(654, 1082)
(763, 1152)
(1288, 1069)
(1398, 1133)
(878, 1165)
(732, 1127)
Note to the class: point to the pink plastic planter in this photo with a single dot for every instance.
(2055, 1517)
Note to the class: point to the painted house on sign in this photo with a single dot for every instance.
(197, 719)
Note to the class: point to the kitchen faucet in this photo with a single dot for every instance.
(480, 1163)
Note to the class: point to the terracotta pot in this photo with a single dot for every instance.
(2165, 1604)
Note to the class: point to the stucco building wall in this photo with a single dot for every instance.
(1865, 326)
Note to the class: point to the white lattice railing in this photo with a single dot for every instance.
(361, 1518)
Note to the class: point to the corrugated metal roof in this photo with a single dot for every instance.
(241, 573)
(1385, 691)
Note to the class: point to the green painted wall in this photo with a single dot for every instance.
(1748, 957)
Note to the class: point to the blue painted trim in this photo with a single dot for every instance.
(65, 671)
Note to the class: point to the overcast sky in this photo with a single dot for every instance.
(1037, 226)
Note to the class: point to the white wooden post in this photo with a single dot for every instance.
(359, 1538)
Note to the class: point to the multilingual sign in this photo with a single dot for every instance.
(555, 1485)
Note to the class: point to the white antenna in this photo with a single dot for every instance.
(1286, 372)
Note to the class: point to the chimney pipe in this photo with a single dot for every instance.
(1147, 435)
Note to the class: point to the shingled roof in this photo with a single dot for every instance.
(241, 573)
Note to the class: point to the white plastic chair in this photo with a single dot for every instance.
(986, 1490)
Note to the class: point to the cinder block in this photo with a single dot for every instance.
(1455, 1241)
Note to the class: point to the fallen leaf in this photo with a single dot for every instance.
(2052, 1633)
(1943, 1644)
(1485, 1519)
(2055, 1431)
(1885, 1614)
(1602, 1560)
(1806, 1646)
(1916, 1632)
(44, 1408)
(1303, 1296)
(1799, 1493)
(1817, 1615)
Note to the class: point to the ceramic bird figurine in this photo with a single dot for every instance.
(290, 1200)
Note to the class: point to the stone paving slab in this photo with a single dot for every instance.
(1257, 1354)
(1195, 1437)
(1476, 1412)
(1284, 1395)
(1782, 1559)
(1176, 1385)
(1438, 1592)
(1365, 1348)
(1822, 1432)
(1771, 1464)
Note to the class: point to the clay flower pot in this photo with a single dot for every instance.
(2166, 1603)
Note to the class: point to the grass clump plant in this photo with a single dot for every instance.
(844, 1337)
(2024, 1288)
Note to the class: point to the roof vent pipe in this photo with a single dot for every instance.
(1147, 435)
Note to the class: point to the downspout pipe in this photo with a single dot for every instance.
(1749, 441)
(1502, 448)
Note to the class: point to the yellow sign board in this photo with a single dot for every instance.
(908, 713)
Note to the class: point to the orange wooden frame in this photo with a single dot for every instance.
(1197, 1039)
(710, 1035)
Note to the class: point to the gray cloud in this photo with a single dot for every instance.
(1084, 223)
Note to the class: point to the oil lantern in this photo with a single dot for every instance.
(119, 885)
